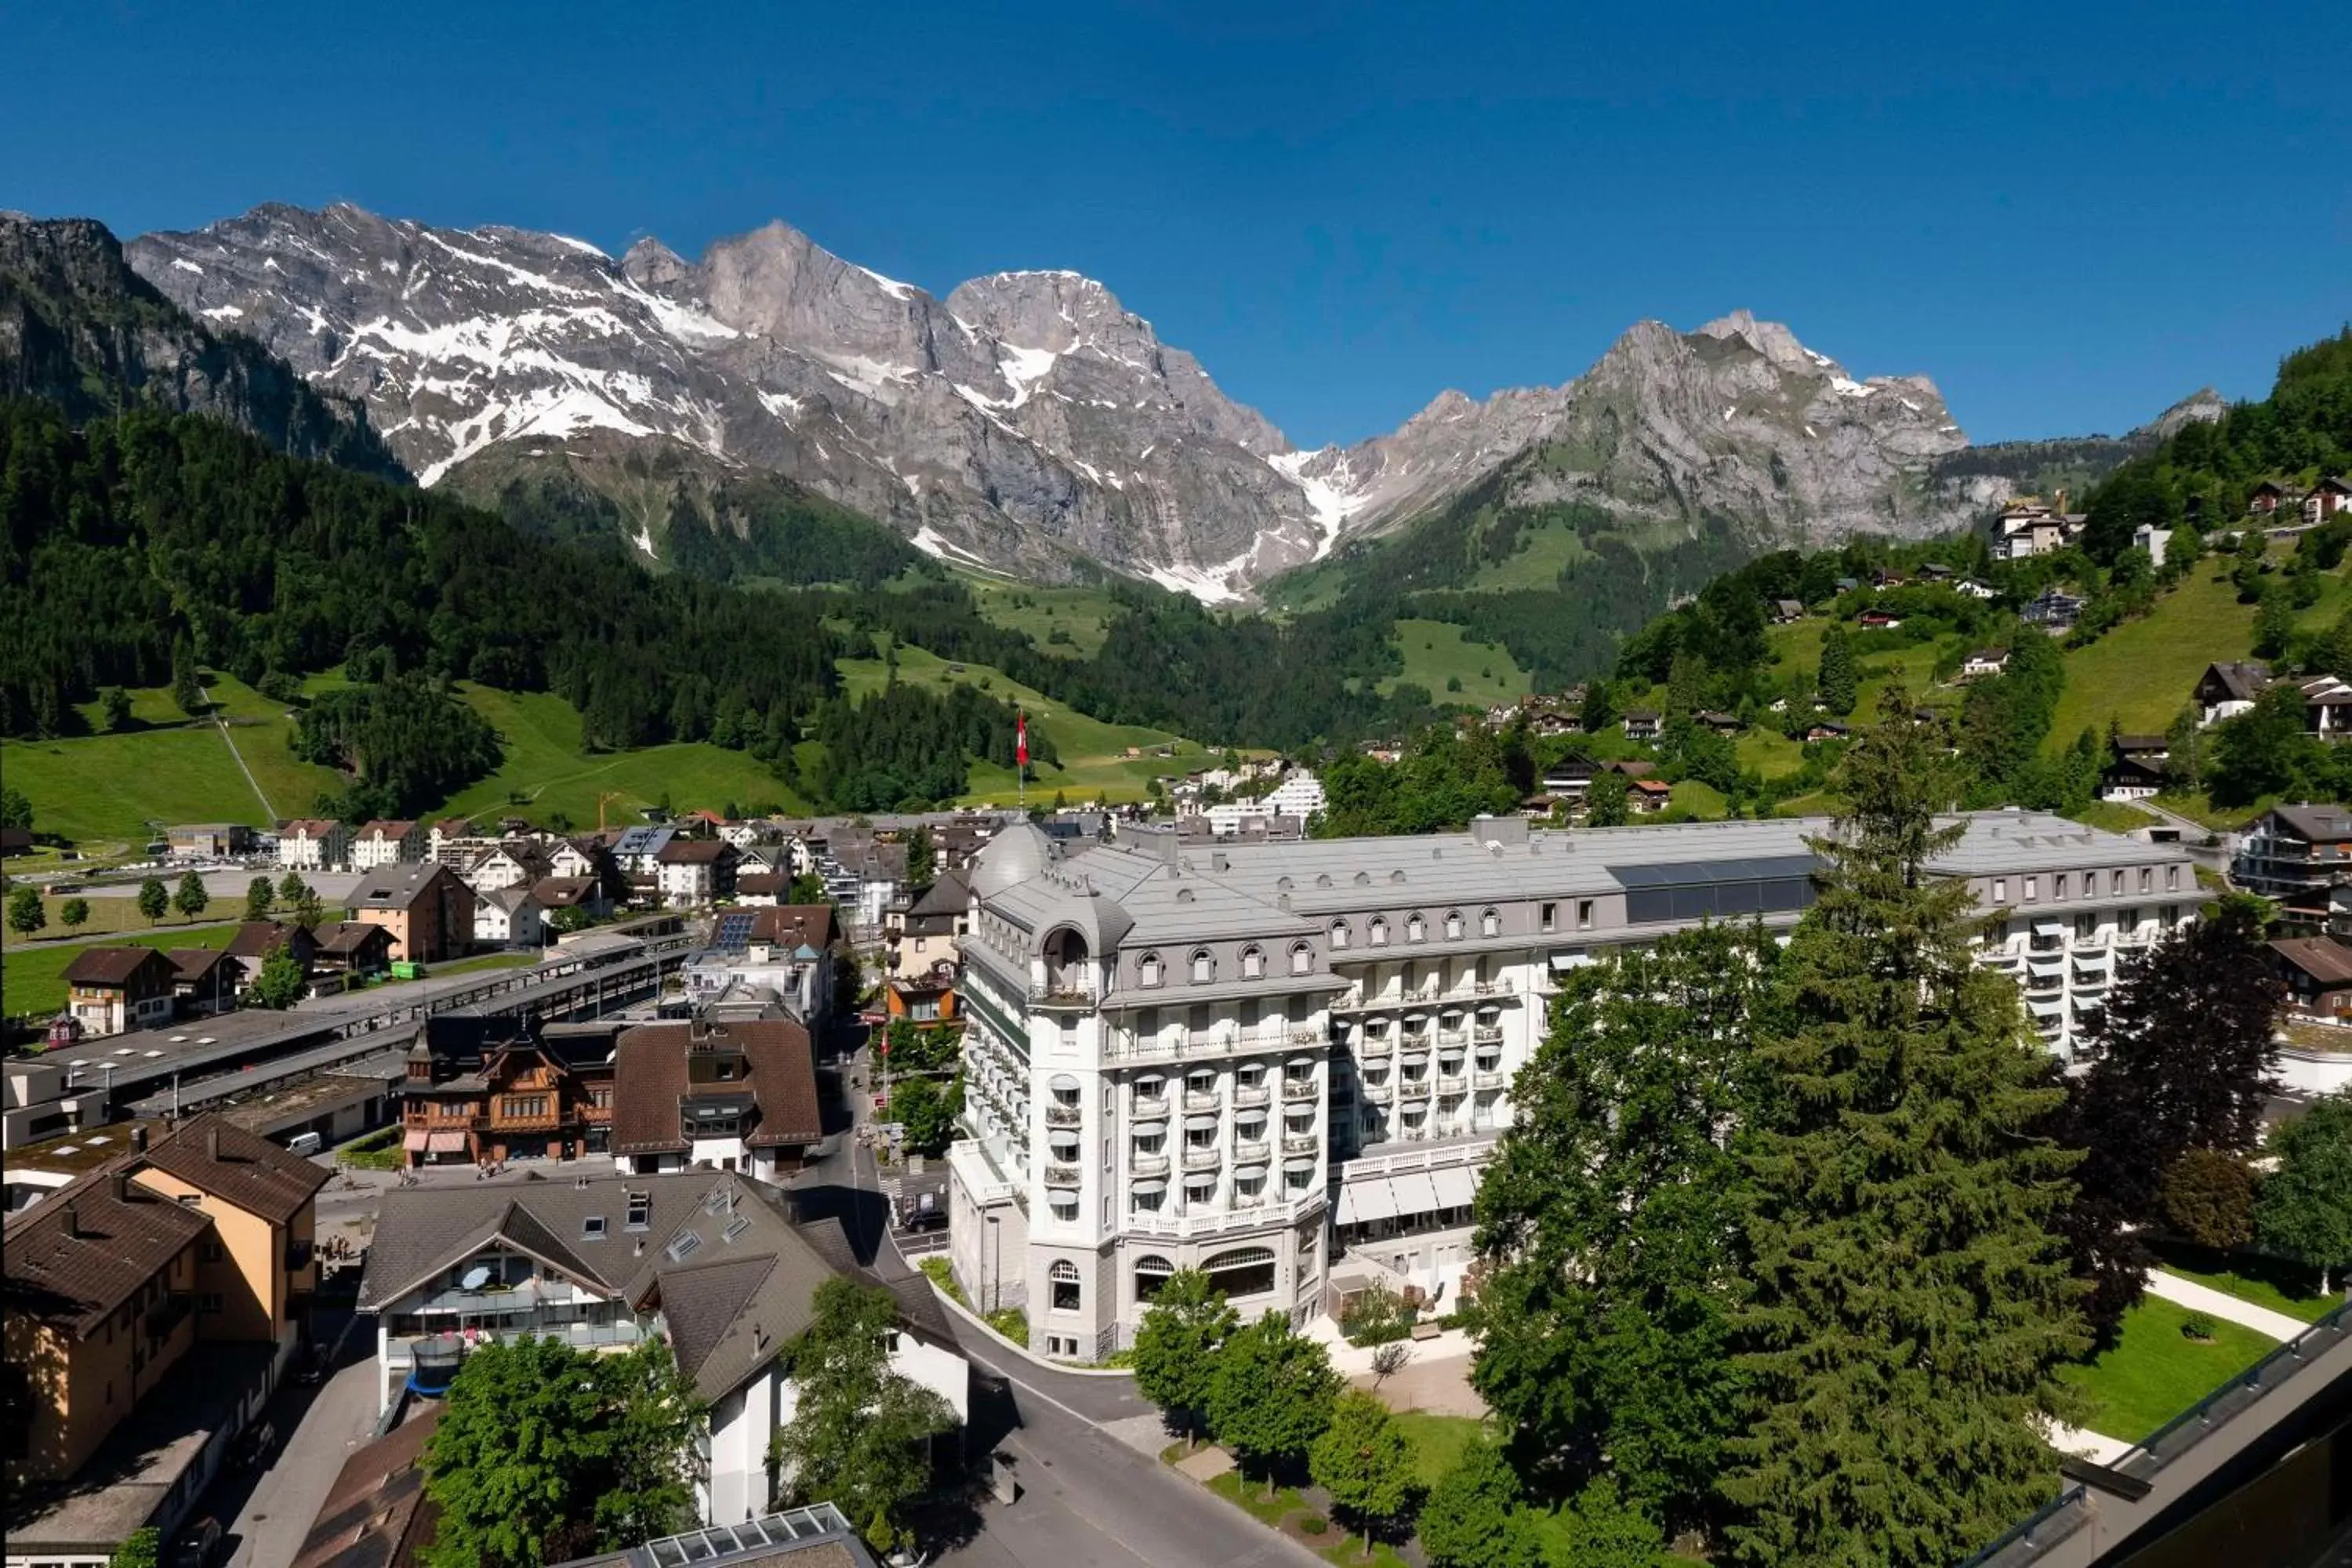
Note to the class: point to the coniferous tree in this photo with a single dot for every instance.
(1909, 1303)
(1610, 1222)
(187, 690)
(1606, 803)
(1838, 679)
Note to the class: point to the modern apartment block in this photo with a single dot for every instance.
(1259, 1058)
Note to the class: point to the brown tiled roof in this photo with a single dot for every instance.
(792, 924)
(650, 1079)
(376, 1513)
(348, 936)
(217, 1157)
(87, 1248)
(193, 963)
(112, 965)
(2324, 959)
(315, 827)
(387, 829)
(562, 892)
(689, 851)
(255, 939)
(771, 884)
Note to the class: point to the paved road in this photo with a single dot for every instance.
(268, 1514)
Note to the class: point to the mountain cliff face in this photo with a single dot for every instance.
(78, 327)
(1028, 421)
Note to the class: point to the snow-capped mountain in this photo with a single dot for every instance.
(1024, 422)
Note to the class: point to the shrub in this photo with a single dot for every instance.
(1314, 1524)
(2197, 1327)
(1376, 1317)
(2208, 1196)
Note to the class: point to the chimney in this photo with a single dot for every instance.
(212, 1143)
(122, 1186)
(139, 1140)
(73, 1222)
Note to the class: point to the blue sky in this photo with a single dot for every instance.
(2067, 215)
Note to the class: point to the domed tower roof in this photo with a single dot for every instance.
(1015, 855)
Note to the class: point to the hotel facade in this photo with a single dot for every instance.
(1277, 1061)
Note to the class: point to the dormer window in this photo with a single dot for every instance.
(641, 1210)
(1252, 962)
(1302, 959)
(1490, 923)
(1339, 935)
(1204, 967)
(1415, 927)
(1453, 925)
(1146, 969)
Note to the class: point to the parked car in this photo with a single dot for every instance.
(260, 1443)
(314, 1369)
(927, 1212)
(199, 1544)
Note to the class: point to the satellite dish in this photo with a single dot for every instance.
(474, 1278)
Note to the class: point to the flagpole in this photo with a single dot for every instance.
(1021, 760)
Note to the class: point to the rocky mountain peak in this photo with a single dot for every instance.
(650, 264)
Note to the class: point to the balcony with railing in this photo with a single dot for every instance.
(1149, 1107)
(1379, 1090)
(1203, 1159)
(1153, 1163)
(1124, 1046)
(1060, 1115)
(1300, 1089)
(1306, 1034)
(1252, 1094)
(1457, 1039)
(1487, 1034)
(1375, 1045)
(1063, 1175)
(1300, 1142)
(1490, 1077)
(1263, 1215)
(1063, 997)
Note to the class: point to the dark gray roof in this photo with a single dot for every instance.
(2317, 824)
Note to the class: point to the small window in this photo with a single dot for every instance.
(1146, 969)
(2058, 886)
(2116, 884)
(1204, 967)
(591, 1229)
(1453, 925)
(1253, 963)
(2172, 878)
(1302, 959)
(1490, 923)
(1584, 914)
(2000, 889)
(1339, 934)
(1547, 916)
(1415, 927)
(641, 1210)
(1064, 1277)
(1378, 933)
(2033, 890)
(2146, 880)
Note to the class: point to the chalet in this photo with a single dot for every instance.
(256, 940)
(2327, 708)
(1826, 732)
(1722, 724)
(1786, 612)
(762, 889)
(506, 1089)
(16, 841)
(508, 917)
(2128, 778)
(387, 844)
(2301, 855)
(314, 844)
(739, 1095)
(743, 834)
(2126, 744)
(580, 857)
(203, 981)
(515, 863)
(1568, 780)
(690, 872)
(554, 894)
(1649, 796)
(354, 947)
(2228, 689)
(211, 841)
(1641, 724)
(1878, 620)
(2318, 970)
(1984, 662)
(1630, 769)
(2052, 611)
(425, 908)
(2331, 496)
(112, 990)
(2028, 529)
(2266, 499)
(1936, 572)
(1882, 578)
(1975, 590)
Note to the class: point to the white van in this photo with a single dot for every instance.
(305, 1144)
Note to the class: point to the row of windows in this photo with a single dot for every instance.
(2089, 882)
(1151, 970)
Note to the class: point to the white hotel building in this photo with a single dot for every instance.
(1261, 1060)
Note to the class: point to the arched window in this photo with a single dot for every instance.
(1379, 932)
(1490, 923)
(1246, 1271)
(1204, 967)
(1415, 927)
(1302, 958)
(1146, 969)
(1252, 962)
(1064, 1277)
(1339, 935)
(1453, 925)
(1151, 1272)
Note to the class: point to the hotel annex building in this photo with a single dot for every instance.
(1259, 1058)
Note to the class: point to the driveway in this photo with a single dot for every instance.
(268, 1515)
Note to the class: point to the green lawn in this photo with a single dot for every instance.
(1437, 1440)
(2141, 672)
(111, 913)
(487, 961)
(1435, 652)
(2281, 1287)
(2113, 816)
(2155, 1371)
(1095, 762)
(1541, 550)
(1082, 613)
(34, 977)
(1769, 751)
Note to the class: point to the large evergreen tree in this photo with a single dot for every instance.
(1610, 1222)
(1909, 1303)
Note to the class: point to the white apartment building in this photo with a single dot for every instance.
(1260, 1059)
(314, 845)
(386, 844)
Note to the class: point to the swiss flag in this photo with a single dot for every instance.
(1021, 737)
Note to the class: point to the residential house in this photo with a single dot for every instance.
(637, 853)
(376, 1513)
(482, 1089)
(762, 889)
(1641, 724)
(788, 948)
(1825, 730)
(2154, 539)
(111, 990)
(387, 844)
(2266, 499)
(1878, 620)
(256, 940)
(16, 841)
(921, 932)
(1787, 612)
(2131, 777)
(211, 841)
(2332, 497)
(1975, 590)
(1983, 662)
(1721, 723)
(743, 834)
(2327, 706)
(732, 1094)
(583, 857)
(206, 1237)
(1568, 780)
(2126, 744)
(354, 947)
(314, 844)
(1936, 572)
(713, 1261)
(454, 842)
(428, 912)
(2052, 611)
(2228, 689)
(691, 873)
(509, 917)
(2318, 970)
(2301, 855)
(556, 894)
(513, 863)
(1645, 797)
(204, 981)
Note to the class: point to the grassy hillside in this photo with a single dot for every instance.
(1435, 652)
(1094, 754)
(1079, 614)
